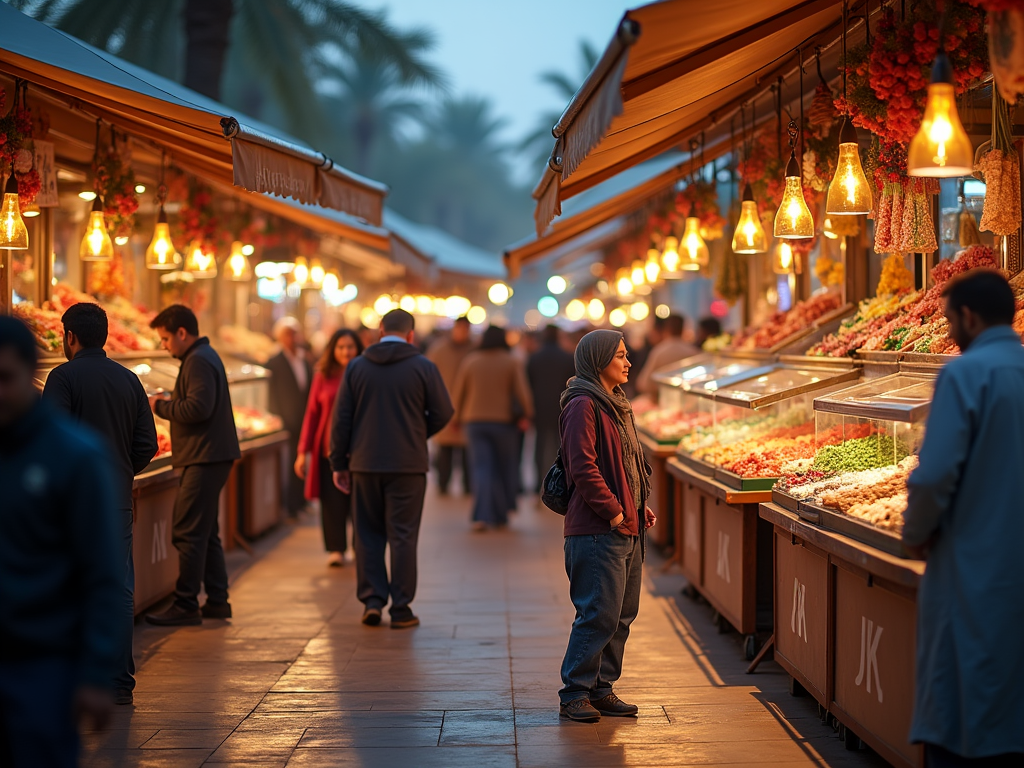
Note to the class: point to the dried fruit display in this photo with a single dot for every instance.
(671, 424)
(45, 326)
(781, 325)
(871, 315)
(999, 167)
(869, 452)
(127, 325)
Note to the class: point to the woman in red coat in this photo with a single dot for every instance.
(315, 442)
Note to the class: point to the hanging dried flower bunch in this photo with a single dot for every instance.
(114, 181)
(1001, 172)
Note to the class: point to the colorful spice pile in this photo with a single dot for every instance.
(869, 452)
(671, 424)
(782, 325)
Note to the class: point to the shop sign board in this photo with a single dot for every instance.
(47, 167)
(801, 611)
(874, 660)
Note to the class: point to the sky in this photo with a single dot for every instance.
(499, 48)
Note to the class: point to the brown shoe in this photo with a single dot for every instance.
(613, 706)
(371, 617)
(580, 710)
(405, 622)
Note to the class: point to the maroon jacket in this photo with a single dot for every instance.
(601, 489)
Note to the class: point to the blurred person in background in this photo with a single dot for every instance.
(61, 570)
(291, 375)
(108, 397)
(205, 449)
(548, 370)
(489, 389)
(671, 349)
(313, 462)
(367, 336)
(707, 328)
(392, 401)
(447, 353)
(639, 356)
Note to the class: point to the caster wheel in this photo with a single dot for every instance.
(850, 740)
(720, 623)
(750, 647)
(690, 592)
(795, 689)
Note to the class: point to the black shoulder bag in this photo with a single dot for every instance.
(557, 487)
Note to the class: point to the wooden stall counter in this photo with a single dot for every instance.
(845, 628)
(661, 490)
(724, 549)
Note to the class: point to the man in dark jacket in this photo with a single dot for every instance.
(61, 582)
(391, 400)
(109, 398)
(205, 446)
(291, 376)
(548, 369)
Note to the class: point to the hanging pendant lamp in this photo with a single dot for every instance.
(238, 268)
(96, 243)
(694, 251)
(941, 148)
(161, 253)
(849, 192)
(199, 263)
(670, 259)
(793, 221)
(749, 236)
(782, 258)
(13, 232)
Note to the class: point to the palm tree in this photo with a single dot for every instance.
(538, 142)
(199, 42)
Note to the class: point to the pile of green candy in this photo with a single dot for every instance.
(872, 452)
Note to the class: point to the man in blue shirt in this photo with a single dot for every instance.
(966, 517)
(61, 584)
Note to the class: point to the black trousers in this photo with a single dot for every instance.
(195, 535)
(445, 463)
(937, 757)
(335, 509)
(388, 508)
(545, 450)
(293, 491)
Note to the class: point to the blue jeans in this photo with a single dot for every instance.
(37, 726)
(604, 584)
(125, 676)
(494, 450)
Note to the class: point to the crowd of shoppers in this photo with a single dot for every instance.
(670, 348)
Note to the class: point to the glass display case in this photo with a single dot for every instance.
(761, 420)
(679, 410)
(869, 436)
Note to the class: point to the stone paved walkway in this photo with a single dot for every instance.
(294, 679)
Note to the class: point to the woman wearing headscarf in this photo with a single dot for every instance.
(493, 403)
(312, 465)
(604, 526)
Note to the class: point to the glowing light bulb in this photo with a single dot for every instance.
(618, 317)
(383, 305)
(575, 310)
(88, 195)
(96, 244)
(199, 263)
(849, 193)
(13, 232)
(557, 284)
(637, 275)
(424, 305)
(782, 259)
(670, 258)
(301, 272)
(623, 284)
(652, 269)
(694, 250)
(408, 303)
(239, 269)
(595, 309)
(31, 210)
(749, 236)
(161, 253)
(639, 311)
(248, 249)
(499, 294)
(941, 147)
(793, 221)
(476, 315)
(316, 273)
(331, 282)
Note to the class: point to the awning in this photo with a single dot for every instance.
(451, 257)
(233, 148)
(673, 69)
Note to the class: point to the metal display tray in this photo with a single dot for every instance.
(858, 530)
(671, 443)
(698, 466)
(785, 501)
(733, 480)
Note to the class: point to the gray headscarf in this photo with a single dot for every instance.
(594, 353)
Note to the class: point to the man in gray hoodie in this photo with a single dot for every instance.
(392, 400)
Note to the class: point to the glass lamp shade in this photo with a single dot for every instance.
(849, 193)
(316, 273)
(694, 250)
(161, 253)
(301, 272)
(637, 273)
(96, 243)
(749, 236)
(793, 220)
(670, 258)
(623, 284)
(941, 147)
(31, 210)
(332, 283)
(13, 232)
(238, 268)
(652, 269)
(199, 263)
(782, 259)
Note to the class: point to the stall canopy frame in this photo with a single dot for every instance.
(660, 82)
(232, 148)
